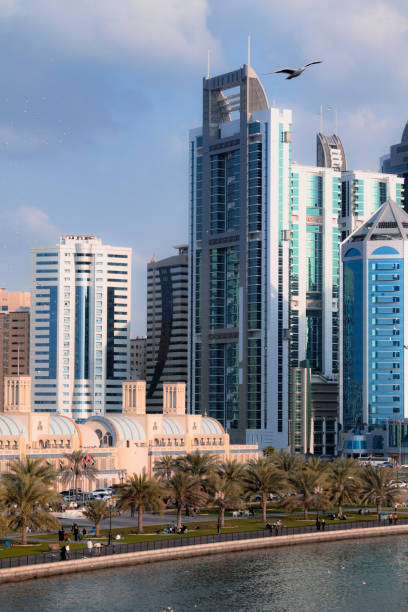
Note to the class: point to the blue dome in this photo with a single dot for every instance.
(385, 250)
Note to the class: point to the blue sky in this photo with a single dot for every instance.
(96, 100)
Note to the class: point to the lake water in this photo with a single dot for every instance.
(360, 576)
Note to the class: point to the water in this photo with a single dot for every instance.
(352, 576)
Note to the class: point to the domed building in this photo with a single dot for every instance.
(117, 444)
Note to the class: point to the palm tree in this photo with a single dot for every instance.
(185, 489)
(262, 478)
(226, 494)
(378, 486)
(26, 500)
(77, 467)
(141, 493)
(231, 470)
(202, 465)
(343, 482)
(307, 484)
(268, 451)
(35, 468)
(164, 467)
(315, 464)
(286, 462)
(97, 511)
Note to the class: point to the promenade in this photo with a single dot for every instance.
(16, 569)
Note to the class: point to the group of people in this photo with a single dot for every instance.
(275, 528)
(392, 518)
(320, 523)
(173, 529)
(79, 534)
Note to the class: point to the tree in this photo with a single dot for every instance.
(315, 464)
(35, 468)
(268, 451)
(308, 486)
(141, 493)
(225, 494)
(77, 467)
(231, 470)
(286, 462)
(185, 489)
(164, 467)
(378, 486)
(262, 478)
(343, 482)
(26, 500)
(97, 511)
(202, 465)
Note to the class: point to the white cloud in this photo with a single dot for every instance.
(350, 35)
(166, 31)
(32, 224)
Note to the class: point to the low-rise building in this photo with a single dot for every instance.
(118, 445)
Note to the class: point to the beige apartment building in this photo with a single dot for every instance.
(13, 300)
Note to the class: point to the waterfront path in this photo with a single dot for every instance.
(48, 564)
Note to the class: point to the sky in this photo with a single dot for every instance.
(96, 100)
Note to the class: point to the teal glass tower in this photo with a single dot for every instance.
(375, 320)
(239, 234)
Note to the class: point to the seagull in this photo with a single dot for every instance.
(293, 72)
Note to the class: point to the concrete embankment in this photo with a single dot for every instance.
(18, 574)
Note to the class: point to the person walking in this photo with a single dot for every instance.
(390, 518)
(63, 553)
(323, 524)
(317, 523)
(61, 534)
(395, 518)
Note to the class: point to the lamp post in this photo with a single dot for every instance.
(110, 523)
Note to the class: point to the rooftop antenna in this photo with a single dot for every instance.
(249, 49)
(208, 63)
(321, 118)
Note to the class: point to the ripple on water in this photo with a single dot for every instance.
(352, 576)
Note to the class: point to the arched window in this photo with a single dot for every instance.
(385, 250)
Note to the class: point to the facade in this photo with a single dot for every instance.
(138, 358)
(362, 194)
(11, 301)
(167, 325)
(118, 445)
(314, 413)
(314, 268)
(80, 326)
(374, 323)
(239, 234)
(14, 346)
(330, 152)
(396, 162)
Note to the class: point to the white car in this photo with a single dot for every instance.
(99, 492)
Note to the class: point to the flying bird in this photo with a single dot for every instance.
(293, 72)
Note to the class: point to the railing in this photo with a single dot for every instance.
(177, 541)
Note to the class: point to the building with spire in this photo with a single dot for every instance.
(239, 235)
(374, 324)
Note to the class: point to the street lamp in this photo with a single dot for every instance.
(110, 523)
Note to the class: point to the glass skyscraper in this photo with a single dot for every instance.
(374, 320)
(396, 162)
(239, 237)
(80, 326)
(314, 268)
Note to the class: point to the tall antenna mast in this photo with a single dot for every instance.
(321, 118)
(249, 49)
(208, 64)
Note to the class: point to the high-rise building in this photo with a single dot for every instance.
(80, 326)
(314, 268)
(363, 193)
(396, 162)
(14, 346)
(138, 347)
(167, 325)
(330, 152)
(11, 301)
(374, 324)
(239, 235)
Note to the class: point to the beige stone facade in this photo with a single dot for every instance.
(119, 445)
